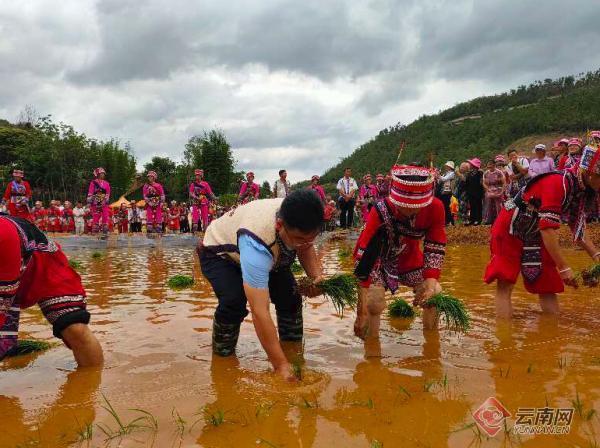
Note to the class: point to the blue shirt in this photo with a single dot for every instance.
(256, 262)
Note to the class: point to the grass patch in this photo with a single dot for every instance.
(75, 264)
(180, 282)
(214, 418)
(400, 308)
(297, 268)
(27, 346)
(453, 310)
(179, 422)
(344, 253)
(96, 255)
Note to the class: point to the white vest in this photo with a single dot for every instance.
(256, 219)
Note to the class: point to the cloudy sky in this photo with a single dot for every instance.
(294, 84)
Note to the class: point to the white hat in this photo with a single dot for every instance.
(450, 164)
(540, 147)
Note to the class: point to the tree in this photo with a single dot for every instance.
(211, 152)
(265, 190)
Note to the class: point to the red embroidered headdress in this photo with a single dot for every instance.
(412, 186)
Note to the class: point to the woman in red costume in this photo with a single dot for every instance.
(525, 235)
(33, 270)
(388, 251)
(17, 195)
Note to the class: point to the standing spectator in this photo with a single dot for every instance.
(494, 184)
(88, 218)
(68, 220)
(573, 154)
(347, 188)
(174, 214)
(134, 218)
(17, 196)
(78, 213)
(165, 214)
(184, 224)
(460, 191)
(474, 187)
(518, 172)
(122, 218)
(314, 185)
(446, 182)
(383, 186)
(559, 150)
(282, 186)
(249, 191)
(40, 216)
(367, 196)
(541, 163)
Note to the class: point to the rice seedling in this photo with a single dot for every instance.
(453, 310)
(146, 421)
(404, 391)
(504, 373)
(365, 404)
(530, 368)
(376, 444)
(297, 369)
(306, 404)
(85, 433)
(262, 441)
(180, 281)
(562, 362)
(591, 276)
(216, 418)
(263, 409)
(27, 346)
(97, 255)
(400, 308)
(341, 290)
(179, 422)
(75, 264)
(344, 253)
(579, 406)
(297, 268)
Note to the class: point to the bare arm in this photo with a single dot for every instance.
(266, 331)
(310, 262)
(551, 242)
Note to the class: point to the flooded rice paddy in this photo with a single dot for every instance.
(162, 387)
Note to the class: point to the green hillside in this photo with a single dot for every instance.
(484, 126)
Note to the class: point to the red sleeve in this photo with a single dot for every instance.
(371, 226)
(562, 162)
(27, 189)
(434, 246)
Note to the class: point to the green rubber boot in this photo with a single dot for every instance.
(224, 338)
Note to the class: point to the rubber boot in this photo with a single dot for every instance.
(290, 327)
(224, 338)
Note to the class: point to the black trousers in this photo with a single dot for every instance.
(135, 227)
(476, 205)
(446, 199)
(225, 277)
(346, 213)
(184, 226)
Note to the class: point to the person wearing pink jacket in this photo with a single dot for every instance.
(98, 197)
(367, 194)
(200, 196)
(249, 191)
(314, 186)
(154, 195)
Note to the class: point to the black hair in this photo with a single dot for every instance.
(281, 172)
(510, 151)
(302, 210)
(347, 168)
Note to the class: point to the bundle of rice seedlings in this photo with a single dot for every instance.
(591, 276)
(180, 281)
(340, 289)
(454, 311)
(297, 268)
(26, 346)
(400, 308)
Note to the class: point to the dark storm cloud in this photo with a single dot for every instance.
(284, 79)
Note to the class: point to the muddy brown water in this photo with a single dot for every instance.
(410, 388)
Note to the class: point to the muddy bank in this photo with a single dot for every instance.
(480, 235)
